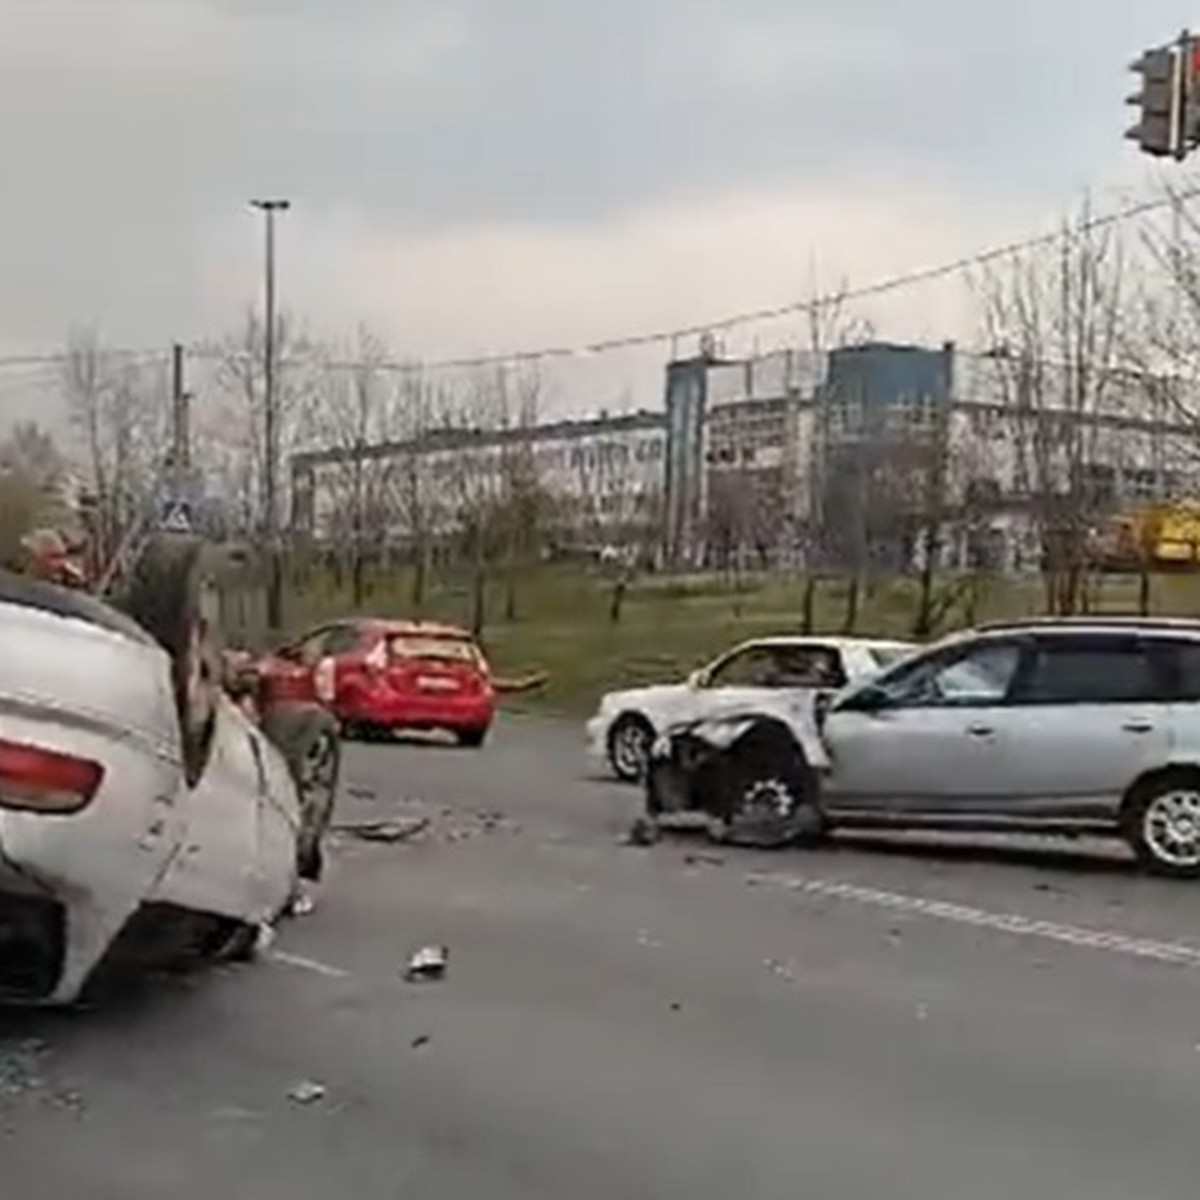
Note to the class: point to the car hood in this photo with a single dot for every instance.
(641, 698)
(721, 727)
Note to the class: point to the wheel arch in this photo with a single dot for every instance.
(1181, 769)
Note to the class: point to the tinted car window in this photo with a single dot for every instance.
(1089, 670)
(342, 639)
(972, 675)
(782, 667)
(981, 675)
(1178, 660)
(751, 667)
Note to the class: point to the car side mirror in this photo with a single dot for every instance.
(288, 653)
(697, 680)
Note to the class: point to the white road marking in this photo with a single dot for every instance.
(1115, 942)
(309, 964)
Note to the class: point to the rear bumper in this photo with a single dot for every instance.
(415, 712)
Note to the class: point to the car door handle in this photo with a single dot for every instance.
(1137, 725)
(979, 729)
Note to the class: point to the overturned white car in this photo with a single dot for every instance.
(144, 815)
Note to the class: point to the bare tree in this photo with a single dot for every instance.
(827, 326)
(230, 427)
(473, 481)
(616, 508)
(120, 415)
(1054, 322)
(356, 416)
(410, 482)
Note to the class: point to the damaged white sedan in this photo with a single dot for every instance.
(145, 817)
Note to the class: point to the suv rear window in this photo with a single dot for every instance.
(1090, 669)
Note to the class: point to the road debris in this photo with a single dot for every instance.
(421, 1040)
(387, 832)
(643, 832)
(19, 1066)
(307, 1091)
(264, 939)
(427, 964)
(704, 860)
(785, 971)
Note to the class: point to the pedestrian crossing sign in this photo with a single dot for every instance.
(177, 519)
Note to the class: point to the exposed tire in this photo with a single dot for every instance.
(629, 742)
(1161, 823)
(666, 790)
(307, 736)
(472, 739)
(770, 796)
(172, 594)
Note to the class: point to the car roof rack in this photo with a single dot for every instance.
(1099, 620)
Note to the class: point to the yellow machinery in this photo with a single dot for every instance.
(1162, 537)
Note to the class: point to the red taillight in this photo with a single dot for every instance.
(33, 779)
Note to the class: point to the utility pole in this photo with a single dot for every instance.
(181, 434)
(271, 424)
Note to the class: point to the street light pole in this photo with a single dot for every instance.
(271, 423)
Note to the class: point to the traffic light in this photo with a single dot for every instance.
(1189, 134)
(1161, 100)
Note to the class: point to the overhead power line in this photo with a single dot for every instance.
(818, 303)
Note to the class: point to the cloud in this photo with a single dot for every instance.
(471, 174)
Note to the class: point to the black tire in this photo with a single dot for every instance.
(629, 742)
(307, 737)
(172, 594)
(667, 790)
(471, 739)
(1161, 823)
(771, 793)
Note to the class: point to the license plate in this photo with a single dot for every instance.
(435, 683)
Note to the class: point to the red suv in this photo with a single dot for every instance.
(380, 677)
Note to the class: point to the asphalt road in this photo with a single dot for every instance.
(864, 1021)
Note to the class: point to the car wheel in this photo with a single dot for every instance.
(171, 593)
(770, 793)
(1162, 824)
(308, 739)
(629, 742)
(472, 739)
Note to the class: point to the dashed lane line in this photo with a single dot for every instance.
(1113, 941)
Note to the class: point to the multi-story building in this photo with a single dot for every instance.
(593, 480)
(869, 455)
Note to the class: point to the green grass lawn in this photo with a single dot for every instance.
(668, 626)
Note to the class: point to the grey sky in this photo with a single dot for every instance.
(470, 171)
